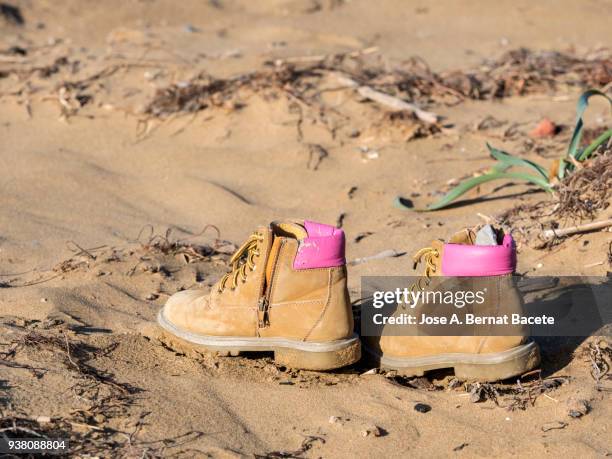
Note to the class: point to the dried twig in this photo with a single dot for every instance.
(387, 100)
(556, 233)
(384, 254)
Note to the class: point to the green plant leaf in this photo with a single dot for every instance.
(467, 185)
(510, 160)
(499, 167)
(583, 102)
(588, 151)
(562, 167)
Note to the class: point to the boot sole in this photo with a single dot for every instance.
(291, 353)
(483, 367)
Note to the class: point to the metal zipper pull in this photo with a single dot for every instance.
(262, 306)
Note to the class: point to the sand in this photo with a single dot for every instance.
(93, 185)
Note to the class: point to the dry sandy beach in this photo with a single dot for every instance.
(106, 188)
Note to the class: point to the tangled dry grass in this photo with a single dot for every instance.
(143, 252)
(303, 82)
(586, 192)
(522, 71)
(518, 72)
(583, 195)
(518, 396)
(103, 399)
(599, 355)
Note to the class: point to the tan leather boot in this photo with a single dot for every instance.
(286, 293)
(462, 265)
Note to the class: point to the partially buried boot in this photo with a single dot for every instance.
(286, 293)
(472, 260)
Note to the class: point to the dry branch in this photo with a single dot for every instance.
(387, 100)
(556, 233)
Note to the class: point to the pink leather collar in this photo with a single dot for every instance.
(322, 248)
(479, 260)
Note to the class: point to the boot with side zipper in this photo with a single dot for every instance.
(286, 293)
(462, 265)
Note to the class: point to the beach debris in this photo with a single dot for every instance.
(401, 90)
(367, 154)
(15, 51)
(191, 28)
(600, 358)
(460, 447)
(82, 257)
(307, 444)
(545, 128)
(316, 155)
(483, 391)
(361, 236)
(391, 253)
(371, 431)
(517, 396)
(165, 244)
(422, 408)
(488, 122)
(576, 408)
(102, 399)
(42, 419)
(554, 425)
(372, 371)
(338, 420)
(522, 71)
(558, 233)
(584, 194)
(403, 203)
(417, 382)
(593, 265)
(405, 92)
(387, 100)
(12, 14)
(517, 72)
(403, 126)
(587, 191)
(151, 253)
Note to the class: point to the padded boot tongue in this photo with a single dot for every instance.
(289, 229)
(465, 236)
(478, 235)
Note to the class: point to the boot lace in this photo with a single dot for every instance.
(426, 254)
(242, 262)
